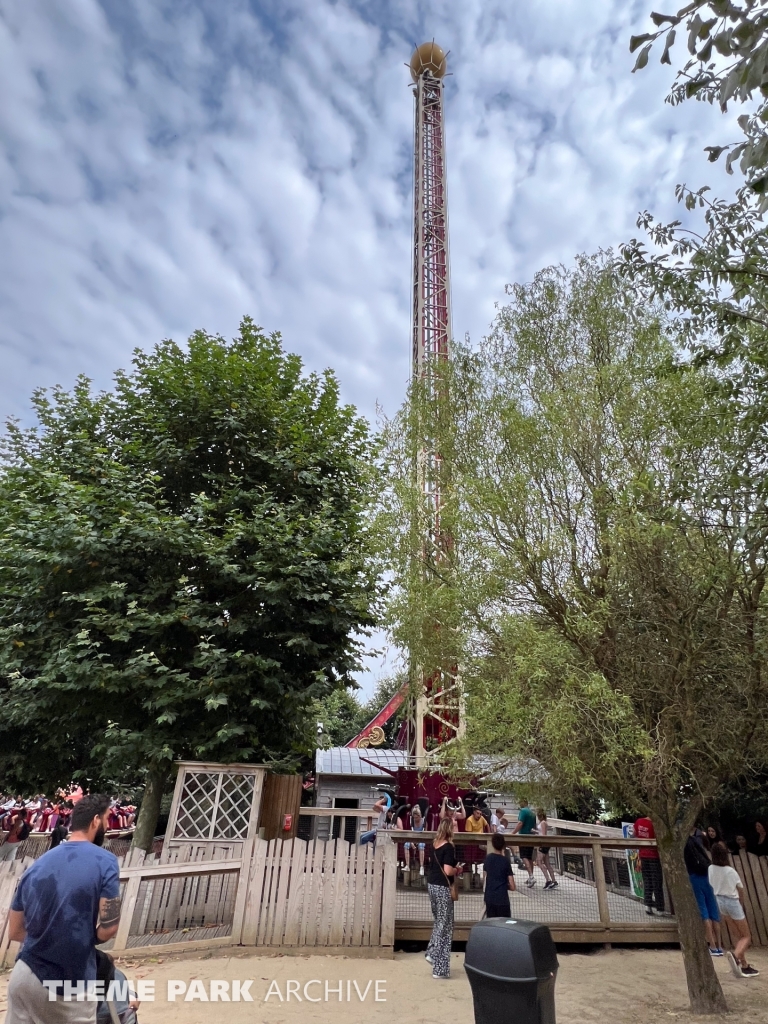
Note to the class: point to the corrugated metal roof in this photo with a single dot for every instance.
(349, 761)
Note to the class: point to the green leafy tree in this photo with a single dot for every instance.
(184, 565)
(609, 563)
(727, 63)
(338, 717)
(714, 276)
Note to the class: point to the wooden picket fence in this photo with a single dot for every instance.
(10, 873)
(266, 893)
(321, 894)
(753, 872)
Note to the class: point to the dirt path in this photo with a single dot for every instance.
(617, 987)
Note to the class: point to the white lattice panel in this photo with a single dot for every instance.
(214, 803)
(198, 805)
(234, 808)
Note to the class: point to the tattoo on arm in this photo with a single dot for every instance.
(110, 913)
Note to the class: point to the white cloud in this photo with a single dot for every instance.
(168, 166)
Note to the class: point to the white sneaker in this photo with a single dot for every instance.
(428, 958)
(421, 870)
(530, 882)
(441, 977)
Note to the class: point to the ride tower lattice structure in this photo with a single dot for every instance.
(434, 717)
(433, 698)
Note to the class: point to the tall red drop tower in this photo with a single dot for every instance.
(435, 719)
(431, 271)
(434, 699)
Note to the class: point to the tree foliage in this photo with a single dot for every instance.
(727, 45)
(715, 278)
(609, 561)
(184, 563)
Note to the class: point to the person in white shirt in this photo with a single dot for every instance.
(729, 893)
(543, 855)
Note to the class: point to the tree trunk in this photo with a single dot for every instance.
(704, 989)
(149, 811)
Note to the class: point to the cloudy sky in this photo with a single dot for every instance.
(173, 164)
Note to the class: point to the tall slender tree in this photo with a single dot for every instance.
(609, 564)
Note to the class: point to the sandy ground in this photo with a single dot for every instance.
(610, 987)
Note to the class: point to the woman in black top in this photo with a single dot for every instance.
(442, 869)
(499, 881)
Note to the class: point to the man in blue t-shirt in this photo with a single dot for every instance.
(64, 904)
(526, 825)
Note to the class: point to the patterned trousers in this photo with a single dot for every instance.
(439, 947)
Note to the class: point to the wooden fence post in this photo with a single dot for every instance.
(389, 895)
(254, 884)
(602, 891)
(243, 880)
(130, 897)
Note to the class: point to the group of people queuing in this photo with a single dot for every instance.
(753, 839)
(20, 818)
(479, 820)
(717, 888)
(719, 893)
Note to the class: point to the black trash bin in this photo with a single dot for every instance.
(512, 967)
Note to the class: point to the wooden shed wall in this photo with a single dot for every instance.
(282, 795)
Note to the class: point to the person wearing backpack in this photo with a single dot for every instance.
(697, 864)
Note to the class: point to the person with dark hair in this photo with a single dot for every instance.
(759, 847)
(64, 904)
(499, 880)
(697, 864)
(711, 836)
(392, 821)
(729, 893)
(740, 843)
(381, 807)
(653, 886)
(526, 826)
(59, 834)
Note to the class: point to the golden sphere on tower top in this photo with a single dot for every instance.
(428, 57)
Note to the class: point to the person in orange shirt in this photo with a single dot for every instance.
(476, 822)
